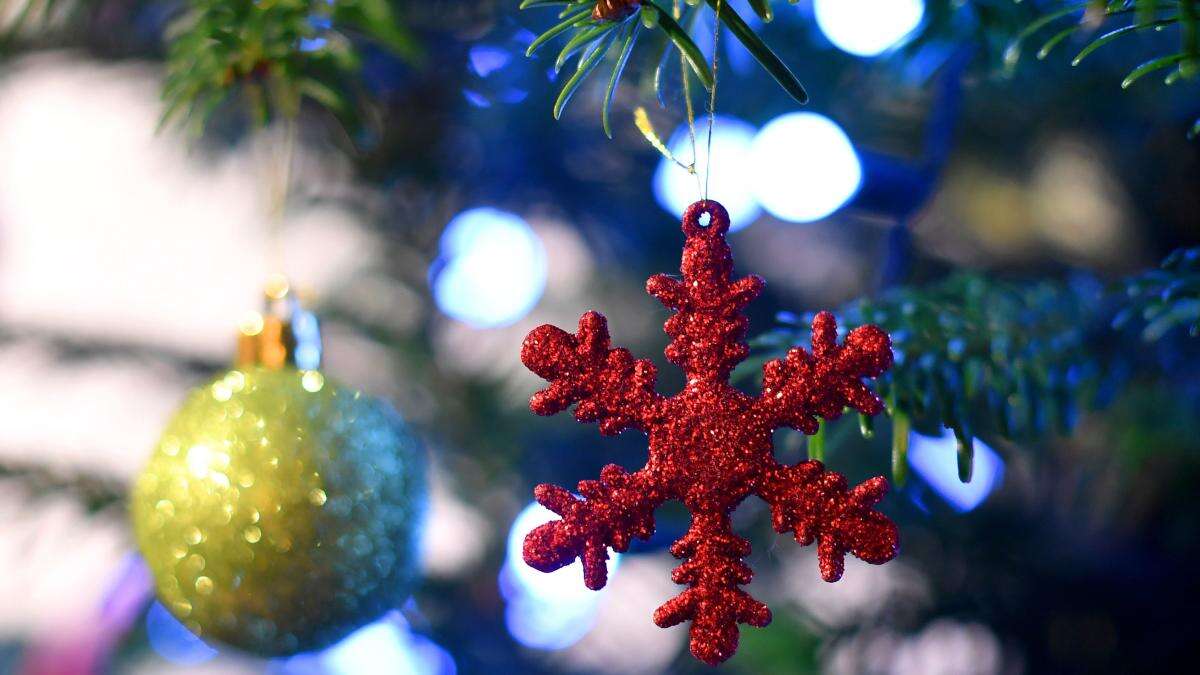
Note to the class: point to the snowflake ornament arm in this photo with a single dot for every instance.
(608, 384)
(816, 505)
(613, 510)
(710, 444)
(611, 388)
(802, 386)
(712, 570)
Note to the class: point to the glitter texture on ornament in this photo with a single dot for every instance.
(280, 511)
(710, 445)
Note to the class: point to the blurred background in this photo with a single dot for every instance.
(460, 215)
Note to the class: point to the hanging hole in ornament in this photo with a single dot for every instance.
(706, 217)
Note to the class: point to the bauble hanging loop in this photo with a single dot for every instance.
(283, 334)
(718, 219)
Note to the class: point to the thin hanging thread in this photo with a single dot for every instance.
(712, 98)
(687, 98)
(280, 178)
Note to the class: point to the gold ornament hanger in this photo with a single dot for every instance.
(283, 334)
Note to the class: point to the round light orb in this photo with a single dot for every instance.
(730, 181)
(383, 648)
(803, 167)
(547, 611)
(868, 27)
(492, 268)
(935, 459)
(564, 585)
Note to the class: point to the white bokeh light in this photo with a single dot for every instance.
(546, 610)
(384, 647)
(943, 647)
(729, 182)
(936, 461)
(623, 638)
(455, 534)
(564, 584)
(109, 231)
(803, 167)
(868, 27)
(492, 268)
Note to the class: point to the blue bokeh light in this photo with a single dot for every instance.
(172, 641)
(486, 59)
(492, 268)
(548, 626)
(565, 584)
(546, 611)
(803, 167)
(868, 27)
(312, 44)
(385, 647)
(730, 182)
(476, 99)
(936, 461)
(307, 330)
(320, 24)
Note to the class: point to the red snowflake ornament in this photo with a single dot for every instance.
(710, 444)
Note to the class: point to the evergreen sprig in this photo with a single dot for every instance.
(274, 54)
(974, 355)
(595, 28)
(1165, 298)
(22, 19)
(94, 493)
(1124, 18)
(21, 14)
(988, 25)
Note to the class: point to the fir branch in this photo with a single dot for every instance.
(1138, 16)
(977, 356)
(22, 15)
(1165, 298)
(275, 54)
(32, 24)
(592, 26)
(986, 25)
(1017, 361)
(95, 493)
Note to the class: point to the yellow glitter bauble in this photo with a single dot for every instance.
(279, 511)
